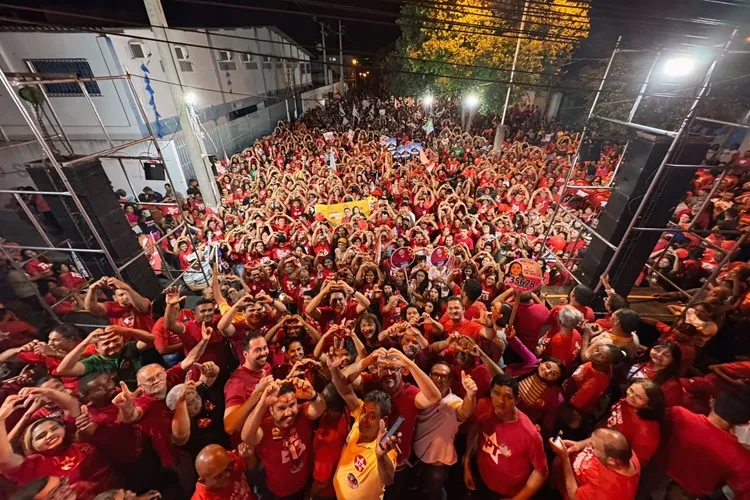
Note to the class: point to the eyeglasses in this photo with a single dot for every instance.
(437, 376)
(389, 369)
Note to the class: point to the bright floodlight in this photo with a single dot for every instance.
(191, 98)
(679, 66)
(472, 101)
(427, 100)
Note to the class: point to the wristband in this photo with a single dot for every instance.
(315, 396)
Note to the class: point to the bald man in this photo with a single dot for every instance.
(221, 475)
(603, 466)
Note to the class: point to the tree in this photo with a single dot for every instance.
(470, 39)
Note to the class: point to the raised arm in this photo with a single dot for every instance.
(225, 325)
(138, 302)
(181, 421)
(251, 431)
(235, 416)
(312, 307)
(91, 303)
(9, 459)
(172, 310)
(469, 404)
(429, 394)
(343, 387)
(71, 364)
(144, 338)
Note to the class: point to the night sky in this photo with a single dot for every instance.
(640, 21)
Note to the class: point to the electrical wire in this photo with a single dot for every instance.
(435, 75)
(394, 56)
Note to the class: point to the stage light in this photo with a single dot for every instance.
(472, 101)
(191, 98)
(427, 100)
(679, 66)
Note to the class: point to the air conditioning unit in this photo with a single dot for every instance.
(225, 56)
(181, 53)
(137, 50)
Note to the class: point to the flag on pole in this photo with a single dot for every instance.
(423, 157)
(429, 127)
(341, 110)
(355, 114)
(332, 160)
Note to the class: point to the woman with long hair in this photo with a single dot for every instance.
(662, 367)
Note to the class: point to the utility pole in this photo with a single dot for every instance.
(203, 174)
(500, 131)
(341, 60)
(325, 56)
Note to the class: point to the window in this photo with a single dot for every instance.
(154, 171)
(225, 55)
(227, 66)
(266, 62)
(137, 50)
(78, 67)
(186, 66)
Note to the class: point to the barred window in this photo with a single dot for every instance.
(78, 67)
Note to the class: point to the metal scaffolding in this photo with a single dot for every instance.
(678, 137)
(11, 83)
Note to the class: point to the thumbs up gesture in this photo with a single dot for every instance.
(84, 423)
(469, 385)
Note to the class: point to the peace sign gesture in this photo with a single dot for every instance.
(172, 295)
(126, 396)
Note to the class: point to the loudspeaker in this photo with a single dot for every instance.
(591, 149)
(644, 155)
(92, 186)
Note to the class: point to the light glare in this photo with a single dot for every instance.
(191, 98)
(472, 101)
(679, 66)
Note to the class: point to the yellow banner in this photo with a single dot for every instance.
(341, 213)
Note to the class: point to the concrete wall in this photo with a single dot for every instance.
(316, 98)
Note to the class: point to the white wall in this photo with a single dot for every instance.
(13, 173)
(314, 98)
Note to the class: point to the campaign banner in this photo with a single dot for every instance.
(524, 275)
(336, 213)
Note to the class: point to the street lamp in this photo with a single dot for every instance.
(355, 62)
(472, 101)
(191, 98)
(427, 100)
(679, 66)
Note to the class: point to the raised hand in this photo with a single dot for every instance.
(209, 372)
(206, 332)
(264, 383)
(10, 405)
(469, 385)
(270, 394)
(94, 336)
(389, 444)
(126, 396)
(84, 423)
(303, 388)
(172, 296)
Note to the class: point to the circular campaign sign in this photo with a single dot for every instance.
(440, 256)
(402, 258)
(524, 275)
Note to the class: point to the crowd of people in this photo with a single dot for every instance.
(344, 331)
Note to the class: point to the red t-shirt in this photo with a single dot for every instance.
(242, 383)
(530, 318)
(562, 346)
(700, 457)
(87, 471)
(328, 317)
(216, 348)
(330, 439)
(402, 405)
(156, 423)
(51, 363)
(508, 452)
(464, 328)
(584, 388)
(237, 489)
(597, 482)
(643, 435)
(37, 267)
(287, 454)
(479, 373)
(128, 316)
(71, 280)
(164, 337)
(15, 333)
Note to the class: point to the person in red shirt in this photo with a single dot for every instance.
(340, 309)
(407, 399)
(562, 342)
(62, 339)
(14, 332)
(280, 430)
(602, 467)
(128, 309)
(221, 475)
(246, 385)
(454, 320)
(458, 353)
(590, 381)
(507, 447)
(580, 298)
(701, 454)
(68, 278)
(531, 316)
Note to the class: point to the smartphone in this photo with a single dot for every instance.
(392, 431)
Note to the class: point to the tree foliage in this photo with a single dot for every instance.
(452, 39)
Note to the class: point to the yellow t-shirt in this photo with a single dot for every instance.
(224, 307)
(356, 476)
